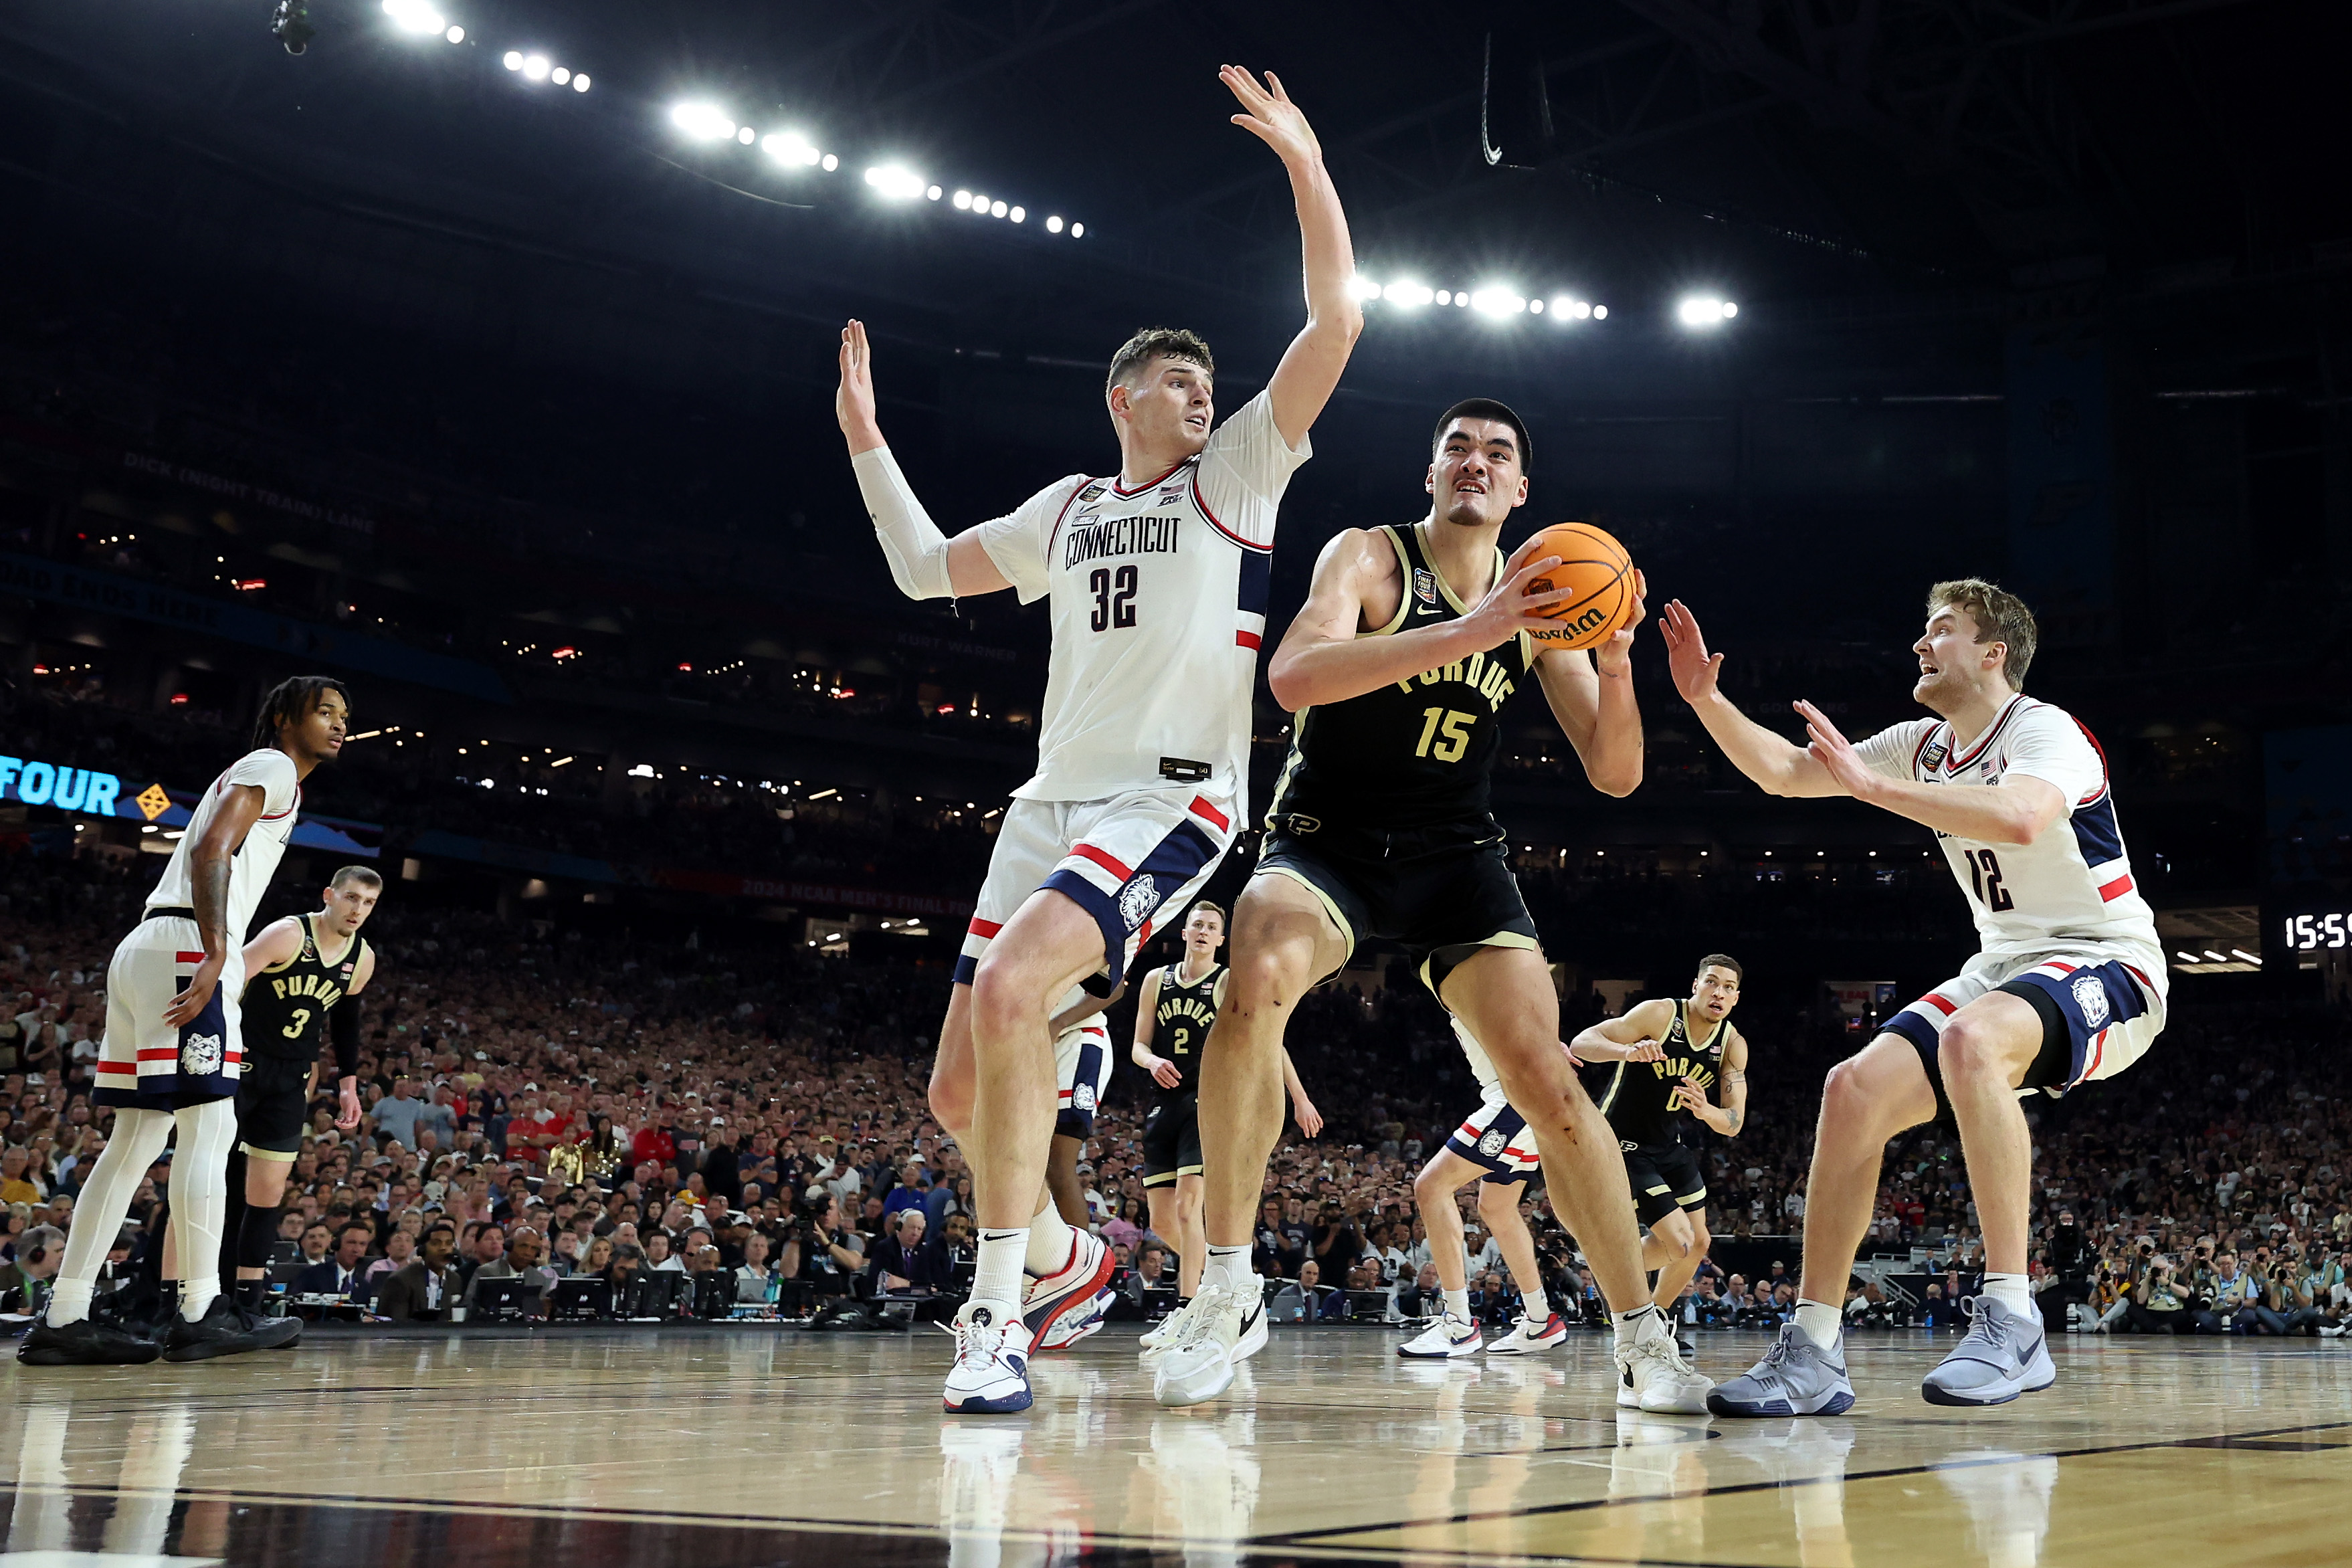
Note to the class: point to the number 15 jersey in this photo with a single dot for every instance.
(1158, 599)
(2072, 885)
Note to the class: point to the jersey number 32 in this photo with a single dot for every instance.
(1114, 597)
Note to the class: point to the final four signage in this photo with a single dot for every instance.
(67, 788)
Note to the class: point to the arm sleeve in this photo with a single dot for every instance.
(1019, 541)
(1245, 467)
(1891, 751)
(343, 1029)
(273, 772)
(2050, 746)
(911, 542)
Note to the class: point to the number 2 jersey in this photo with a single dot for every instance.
(1158, 598)
(2071, 887)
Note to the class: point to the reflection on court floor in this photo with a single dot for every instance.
(718, 1448)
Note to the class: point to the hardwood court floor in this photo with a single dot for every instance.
(721, 1447)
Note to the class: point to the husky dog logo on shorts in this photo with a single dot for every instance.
(1083, 1097)
(2091, 996)
(1424, 585)
(200, 1055)
(1492, 1144)
(1138, 900)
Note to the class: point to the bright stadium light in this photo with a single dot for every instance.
(1536, 307)
(1566, 309)
(1054, 224)
(415, 15)
(933, 195)
(1600, 312)
(536, 67)
(962, 200)
(1495, 301)
(1408, 294)
(1445, 296)
(559, 76)
(512, 60)
(1018, 215)
(829, 163)
(980, 205)
(580, 82)
(1078, 231)
(789, 147)
(1705, 310)
(1362, 287)
(744, 134)
(455, 34)
(997, 209)
(896, 184)
(702, 121)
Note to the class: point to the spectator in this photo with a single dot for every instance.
(397, 1116)
(909, 1260)
(428, 1285)
(755, 1282)
(831, 1258)
(25, 1283)
(909, 1194)
(520, 1261)
(343, 1274)
(2161, 1303)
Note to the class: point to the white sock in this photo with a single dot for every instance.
(1458, 1304)
(69, 1302)
(1227, 1266)
(1819, 1321)
(1537, 1306)
(1628, 1324)
(996, 1266)
(2010, 1291)
(1049, 1241)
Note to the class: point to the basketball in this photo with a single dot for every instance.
(1601, 575)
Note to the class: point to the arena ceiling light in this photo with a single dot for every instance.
(1407, 293)
(703, 121)
(895, 184)
(1704, 310)
(790, 148)
(1497, 300)
(419, 16)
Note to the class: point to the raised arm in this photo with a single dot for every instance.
(208, 871)
(2019, 812)
(1165, 1073)
(924, 562)
(1781, 768)
(1310, 367)
(1322, 660)
(1631, 1036)
(1591, 696)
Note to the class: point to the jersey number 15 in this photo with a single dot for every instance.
(1114, 597)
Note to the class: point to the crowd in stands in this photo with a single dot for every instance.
(549, 1103)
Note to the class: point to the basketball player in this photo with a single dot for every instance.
(307, 973)
(1668, 1053)
(172, 1053)
(1397, 666)
(1173, 1014)
(1157, 577)
(2068, 987)
(1491, 1147)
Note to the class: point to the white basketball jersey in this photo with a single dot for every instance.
(1482, 1066)
(2072, 885)
(1159, 604)
(256, 861)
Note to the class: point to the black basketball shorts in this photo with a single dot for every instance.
(1665, 1177)
(1171, 1142)
(273, 1103)
(1443, 892)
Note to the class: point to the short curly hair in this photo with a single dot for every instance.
(2000, 616)
(1159, 343)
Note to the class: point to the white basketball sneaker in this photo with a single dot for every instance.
(1225, 1327)
(1652, 1374)
(1167, 1330)
(990, 1374)
(1527, 1336)
(1449, 1336)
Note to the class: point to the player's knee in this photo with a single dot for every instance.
(1701, 1238)
(1968, 1050)
(1429, 1188)
(1848, 1095)
(1262, 982)
(950, 1097)
(1001, 997)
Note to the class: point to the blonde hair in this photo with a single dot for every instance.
(2000, 616)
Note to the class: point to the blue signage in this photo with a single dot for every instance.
(94, 793)
(67, 789)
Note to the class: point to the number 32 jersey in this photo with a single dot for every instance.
(2074, 884)
(1158, 599)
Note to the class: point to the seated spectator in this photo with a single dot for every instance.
(341, 1275)
(908, 1260)
(25, 1283)
(317, 1243)
(1151, 1273)
(2161, 1303)
(831, 1258)
(910, 1192)
(659, 1258)
(754, 1280)
(521, 1261)
(399, 1247)
(428, 1285)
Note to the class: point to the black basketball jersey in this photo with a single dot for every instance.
(1634, 1098)
(1180, 1023)
(286, 1008)
(1418, 753)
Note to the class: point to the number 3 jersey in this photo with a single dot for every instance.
(1158, 597)
(2070, 887)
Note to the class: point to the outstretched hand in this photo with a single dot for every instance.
(853, 405)
(1835, 753)
(1508, 608)
(1272, 118)
(1693, 667)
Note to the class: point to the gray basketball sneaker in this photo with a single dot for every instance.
(2005, 1354)
(1795, 1377)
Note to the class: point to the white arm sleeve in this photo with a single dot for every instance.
(911, 542)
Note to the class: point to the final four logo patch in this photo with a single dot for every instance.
(1424, 585)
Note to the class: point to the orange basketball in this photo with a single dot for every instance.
(1599, 574)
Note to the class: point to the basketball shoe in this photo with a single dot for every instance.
(1077, 1323)
(990, 1376)
(1226, 1326)
(1071, 1289)
(1449, 1336)
(1795, 1377)
(1167, 1331)
(2004, 1353)
(1527, 1336)
(85, 1343)
(1652, 1374)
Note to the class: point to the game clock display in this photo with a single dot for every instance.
(2307, 933)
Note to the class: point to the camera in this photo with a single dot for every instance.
(290, 24)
